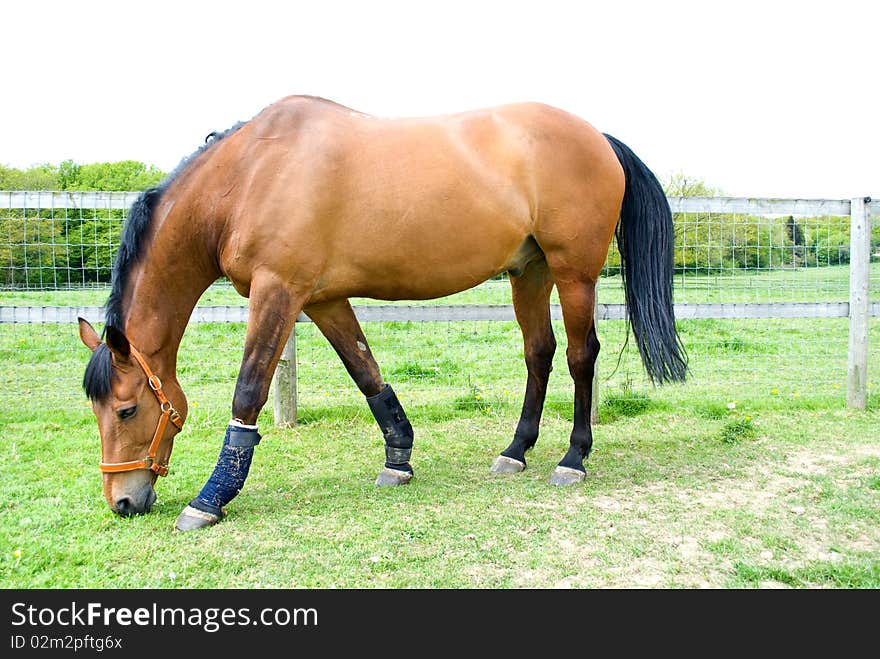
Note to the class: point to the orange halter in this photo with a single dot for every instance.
(168, 413)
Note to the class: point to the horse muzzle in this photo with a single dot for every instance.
(135, 504)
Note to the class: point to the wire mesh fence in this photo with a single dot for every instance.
(59, 241)
(762, 290)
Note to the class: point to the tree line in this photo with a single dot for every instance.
(121, 176)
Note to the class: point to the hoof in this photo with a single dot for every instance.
(393, 477)
(191, 519)
(566, 476)
(505, 465)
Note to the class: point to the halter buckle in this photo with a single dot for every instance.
(152, 465)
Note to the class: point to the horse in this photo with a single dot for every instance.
(310, 203)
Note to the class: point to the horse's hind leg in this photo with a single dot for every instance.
(272, 312)
(338, 324)
(578, 297)
(531, 302)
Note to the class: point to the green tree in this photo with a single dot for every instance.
(68, 175)
(39, 177)
(680, 184)
(124, 176)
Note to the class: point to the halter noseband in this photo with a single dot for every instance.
(168, 414)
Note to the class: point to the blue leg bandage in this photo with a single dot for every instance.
(231, 470)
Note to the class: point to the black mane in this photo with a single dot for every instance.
(133, 242)
(132, 246)
(99, 370)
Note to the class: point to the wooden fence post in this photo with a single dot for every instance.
(859, 281)
(285, 384)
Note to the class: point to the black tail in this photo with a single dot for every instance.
(645, 238)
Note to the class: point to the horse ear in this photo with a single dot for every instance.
(88, 335)
(117, 341)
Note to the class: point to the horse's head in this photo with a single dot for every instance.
(138, 416)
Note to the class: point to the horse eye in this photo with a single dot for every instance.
(127, 413)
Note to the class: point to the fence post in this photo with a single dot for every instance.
(285, 384)
(859, 279)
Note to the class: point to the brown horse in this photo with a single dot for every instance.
(311, 203)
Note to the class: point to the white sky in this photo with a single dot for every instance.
(758, 98)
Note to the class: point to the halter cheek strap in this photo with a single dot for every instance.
(168, 414)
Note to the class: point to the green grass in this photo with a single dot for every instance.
(624, 402)
(413, 369)
(752, 474)
(792, 499)
(863, 573)
(711, 410)
(663, 506)
(738, 430)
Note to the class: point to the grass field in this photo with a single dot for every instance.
(751, 475)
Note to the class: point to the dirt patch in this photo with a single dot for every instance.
(607, 504)
(665, 534)
(693, 530)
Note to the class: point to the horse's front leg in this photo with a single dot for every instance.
(272, 312)
(340, 326)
